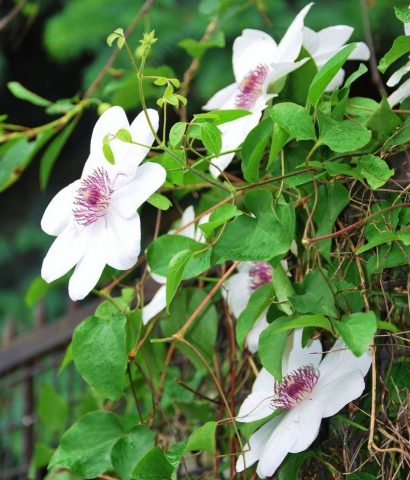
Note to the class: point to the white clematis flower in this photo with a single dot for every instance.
(311, 389)
(403, 91)
(95, 218)
(159, 301)
(257, 62)
(323, 45)
(239, 288)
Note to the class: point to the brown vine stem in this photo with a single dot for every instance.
(308, 241)
(103, 72)
(13, 12)
(192, 69)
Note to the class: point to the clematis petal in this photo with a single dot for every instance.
(67, 249)
(336, 81)
(310, 41)
(158, 278)
(361, 52)
(398, 75)
(252, 339)
(252, 48)
(156, 305)
(141, 133)
(264, 382)
(281, 69)
(331, 39)
(400, 94)
(339, 392)
(254, 448)
(295, 356)
(188, 217)
(278, 444)
(90, 267)
(109, 123)
(310, 414)
(340, 360)
(236, 291)
(224, 99)
(148, 179)
(290, 45)
(256, 406)
(123, 240)
(59, 211)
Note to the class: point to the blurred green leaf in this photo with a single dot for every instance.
(203, 438)
(25, 94)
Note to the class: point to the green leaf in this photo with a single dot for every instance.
(196, 49)
(107, 150)
(341, 137)
(86, 446)
(294, 119)
(326, 74)
(124, 135)
(37, 290)
(175, 273)
(383, 122)
(211, 138)
(176, 133)
(52, 409)
(357, 330)
(52, 152)
(378, 239)
(159, 201)
(279, 139)
(129, 450)
(271, 350)
(400, 47)
(260, 299)
(374, 170)
(164, 248)
(355, 75)
(154, 466)
(23, 93)
(403, 14)
(332, 198)
(314, 295)
(253, 149)
(99, 354)
(41, 456)
(219, 217)
(203, 438)
(221, 116)
(290, 468)
(268, 235)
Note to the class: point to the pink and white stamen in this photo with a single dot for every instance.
(260, 273)
(295, 387)
(251, 87)
(93, 197)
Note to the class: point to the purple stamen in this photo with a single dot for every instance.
(260, 273)
(93, 197)
(295, 387)
(251, 87)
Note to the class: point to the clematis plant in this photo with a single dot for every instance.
(324, 44)
(95, 218)
(403, 91)
(311, 389)
(159, 301)
(258, 61)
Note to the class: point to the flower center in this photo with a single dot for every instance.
(295, 387)
(260, 273)
(93, 197)
(251, 87)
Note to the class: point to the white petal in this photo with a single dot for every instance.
(407, 28)
(251, 49)
(156, 305)
(59, 211)
(339, 392)
(188, 218)
(290, 45)
(400, 94)
(256, 445)
(224, 99)
(332, 39)
(279, 444)
(398, 75)
(148, 179)
(310, 414)
(310, 41)
(361, 52)
(337, 81)
(123, 240)
(109, 123)
(90, 267)
(237, 292)
(142, 133)
(252, 339)
(295, 356)
(199, 236)
(158, 278)
(264, 382)
(67, 249)
(256, 406)
(281, 69)
(340, 360)
(244, 267)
